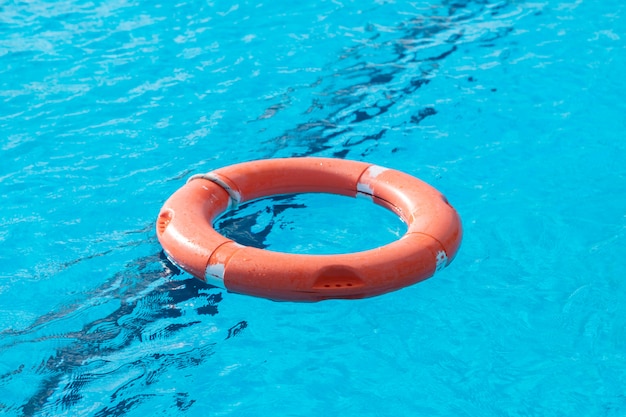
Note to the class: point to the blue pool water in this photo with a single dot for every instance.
(513, 109)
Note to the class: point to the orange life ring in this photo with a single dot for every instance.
(184, 228)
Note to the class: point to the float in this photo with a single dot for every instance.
(185, 230)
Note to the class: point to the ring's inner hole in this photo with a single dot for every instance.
(311, 223)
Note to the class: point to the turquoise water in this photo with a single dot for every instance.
(311, 224)
(513, 109)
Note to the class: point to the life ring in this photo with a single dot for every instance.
(184, 228)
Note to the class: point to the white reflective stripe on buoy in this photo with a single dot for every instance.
(214, 275)
(235, 196)
(365, 188)
(442, 260)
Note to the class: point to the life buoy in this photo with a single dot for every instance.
(184, 228)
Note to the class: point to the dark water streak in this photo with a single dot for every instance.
(317, 135)
(125, 327)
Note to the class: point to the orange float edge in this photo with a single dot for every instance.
(185, 230)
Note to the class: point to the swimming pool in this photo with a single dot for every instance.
(513, 109)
